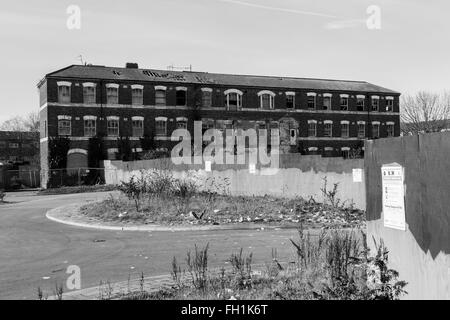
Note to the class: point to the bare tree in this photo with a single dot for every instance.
(29, 122)
(425, 112)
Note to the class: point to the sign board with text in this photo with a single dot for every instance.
(393, 196)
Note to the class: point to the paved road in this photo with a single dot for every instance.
(35, 252)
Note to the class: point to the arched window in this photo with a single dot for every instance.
(89, 92)
(375, 103)
(361, 129)
(161, 126)
(375, 129)
(344, 102)
(290, 100)
(312, 128)
(160, 95)
(112, 93)
(181, 96)
(207, 97)
(327, 101)
(328, 128)
(266, 99)
(345, 129)
(360, 102)
(113, 126)
(311, 100)
(90, 126)
(390, 128)
(138, 126)
(64, 125)
(233, 99)
(137, 95)
(64, 91)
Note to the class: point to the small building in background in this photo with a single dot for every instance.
(19, 148)
(19, 160)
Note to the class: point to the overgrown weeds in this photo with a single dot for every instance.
(333, 265)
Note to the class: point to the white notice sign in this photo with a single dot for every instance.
(208, 166)
(357, 175)
(393, 196)
(252, 168)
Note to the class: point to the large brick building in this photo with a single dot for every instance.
(331, 117)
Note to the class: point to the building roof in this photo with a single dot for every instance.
(92, 72)
(29, 135)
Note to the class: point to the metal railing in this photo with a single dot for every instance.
(21, 179)
(71, 177)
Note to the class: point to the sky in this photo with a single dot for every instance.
(317, 39)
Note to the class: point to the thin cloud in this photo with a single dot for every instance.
(345, 24)
(259, 6)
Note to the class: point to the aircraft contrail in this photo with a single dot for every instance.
(308, 13)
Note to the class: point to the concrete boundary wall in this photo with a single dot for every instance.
(421, 254)
(297, 176)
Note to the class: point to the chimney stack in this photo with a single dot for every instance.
(132, 65)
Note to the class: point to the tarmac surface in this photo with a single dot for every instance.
(35, 252)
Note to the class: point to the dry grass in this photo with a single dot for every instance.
(201, 208)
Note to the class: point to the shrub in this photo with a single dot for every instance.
(242, 269)
(383, 282)
(134, 189)
(197, 266)
(330, 195)
(184, 188)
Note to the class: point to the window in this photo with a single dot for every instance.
(389, 104)
(266, 99)
(181, 96)
(112, 126)
(160, 96)
(345, 129)
(312, 128)
(345, 152)
(90, 126)
(327, 101)
(112, 93)
(290, 100)
(137, 124)
(206, 97)
(161, 126)
(328, 128)
(375, 103)
(375, 130)
(64, 92)
(64, 126)
(361, 129)
(344, 102)
(182, 123)
(13, 145)
(89, 93)
(390, 129)
(233, 99)
(360, 102)
(311, 100)
(137, 95)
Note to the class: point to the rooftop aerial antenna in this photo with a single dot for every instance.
(80, 57)
(173, 68)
